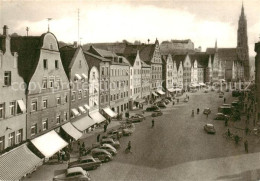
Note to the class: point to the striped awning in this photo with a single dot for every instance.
(17, 163)
(84, 123)
(71, 130)
(154, 94)
(97, 117)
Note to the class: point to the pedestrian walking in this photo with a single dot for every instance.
(226, 122)
(78, 142)
(105, 128)
(62, 156)
(152, 123)
(58, 156)
(198, 110)
(228, 132)
(98, 136)
(192, 113)
(224, 100)
(83, 145)
(246, 130)
(188, 97)
(246, 146)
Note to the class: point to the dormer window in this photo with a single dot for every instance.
(45, 64)
(56, 64)
(51, 46)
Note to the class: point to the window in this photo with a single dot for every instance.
(34, 105)
(19, 136)
(73, 96)
(44, 83)
(80, 94)
(12, 108)
(45, 64)
(111, 98)
(11, 139)
(107, 72)
(2, 143)
(51, 82)
(58, 98)
(33, 129)
(122, 108)
(65, 116)
(56, 64)
(7, 78)
(66, 98)
(102, 98)
(117, 96)
(44, 124)
(58, 118)
(121, 94)
(85, 93)
(93, 75)
(44, 103)
(80, 64)
(106, 98)
(117, 84)
(2, 110)
(114, 97)
(103, 71)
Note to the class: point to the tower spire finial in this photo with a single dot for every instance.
(242, 9)
(216, 45)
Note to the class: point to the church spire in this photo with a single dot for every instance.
(242, 10)
(216, 45)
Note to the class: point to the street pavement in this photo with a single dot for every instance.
(178, 148)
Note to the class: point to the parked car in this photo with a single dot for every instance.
(101, 154)
(207, 111)
(157, 113)
(206, 91)
(86, 162)
(109, 148)
(221, 116)
(186, 99)
(169, 98)
(114, 134)
(134, 119)
(166, 101)
(73, 174)
(112, 142)
(161, 104)
(209, 128)
(127, 129)
(152, 108)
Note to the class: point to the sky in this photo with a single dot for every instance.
(202, 21)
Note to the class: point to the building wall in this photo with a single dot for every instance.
(11, 123)
(36, 93)
(104, 97)
(195, 71)
(174, 74)
(169, 74)
(187, 71)
(201, 75)
(156, 66)
(146, 75)
(137, 74)
(93, 89)
(119, 87)
(79, 89)
(180, 75)
(257, 78)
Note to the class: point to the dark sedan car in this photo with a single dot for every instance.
(221, 116)
(157, 113)
(152, 108)
(86, 162)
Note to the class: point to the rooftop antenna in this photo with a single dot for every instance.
(78, 29)
(49, 19)
(27, 30)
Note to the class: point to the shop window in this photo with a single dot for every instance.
(19, 136)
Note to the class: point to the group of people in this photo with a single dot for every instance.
(192, 112)
(63, 155)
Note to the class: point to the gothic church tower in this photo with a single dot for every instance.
(242, 43)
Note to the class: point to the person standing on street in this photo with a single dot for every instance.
(224, 100)
(98, 136)
(198, 110)
(62, 156)
(152, 123)
(105, 128)
(246, 146)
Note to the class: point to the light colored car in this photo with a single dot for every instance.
(112, 142)
(86, 162)
(207, 111)
(109, 148)
(209, 128)
(114, 134)
(221, 116)
(73, 174)
(101, 154)
(157, 113)
(128, 129)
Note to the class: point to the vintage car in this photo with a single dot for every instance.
(101, 154)
(207, 111)
(127, 129)
(135, 119)
(161, 104)
(152, 108)
(86, 162)
(73, 174)
(112, 142)
(221, 116)
(209, 128)
(157, 113)
(114, 134)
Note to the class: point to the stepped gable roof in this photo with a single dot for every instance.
(202, 59)
(67, 53)
(229, 54)
(178, 59)
(165, 51)
(102, 53)
(146, 51)
(28, 49)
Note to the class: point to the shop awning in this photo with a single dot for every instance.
(22, 105)
(84, 123)
(75, 112)
(72, 131)
(171, 90)
(110, 112)
(49, 143)
(202, 84)
(78, 77)
(154, 94)
(85, 76)
(82, 109)
(17, 163)
(86, 106)
(139, 100)
(161, 92)
(97, 117)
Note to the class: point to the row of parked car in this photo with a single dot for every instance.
(99, 153)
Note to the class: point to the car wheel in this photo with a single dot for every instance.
(107, 159)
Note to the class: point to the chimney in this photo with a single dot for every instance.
(5, 30)
(75, 44)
